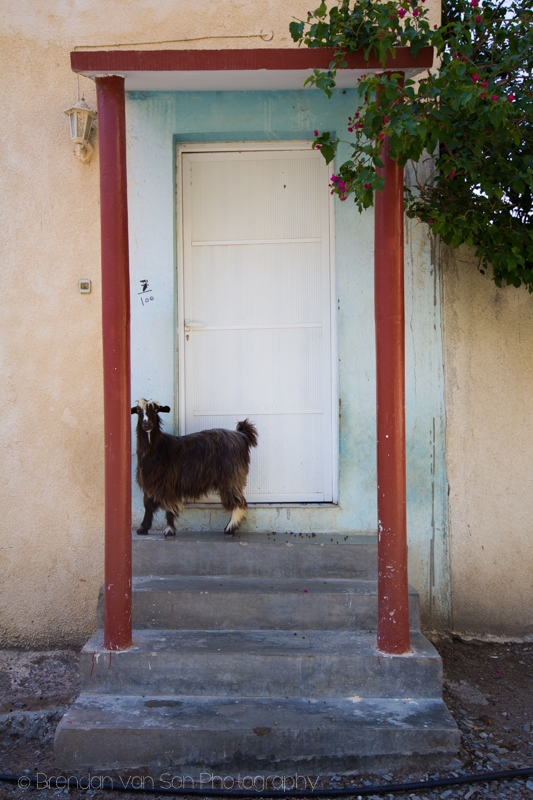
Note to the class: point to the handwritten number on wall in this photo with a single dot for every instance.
(145, 294)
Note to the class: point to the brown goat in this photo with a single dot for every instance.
(172, 470)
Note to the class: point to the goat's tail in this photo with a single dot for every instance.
(249, 430)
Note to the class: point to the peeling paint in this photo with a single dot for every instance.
(156, 121)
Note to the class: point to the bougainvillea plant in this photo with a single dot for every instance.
(465, 127)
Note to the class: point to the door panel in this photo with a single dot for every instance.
(256, 311)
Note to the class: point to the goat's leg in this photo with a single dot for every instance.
(150, 507)
(238, 515)
(235, 503)
(170, 530)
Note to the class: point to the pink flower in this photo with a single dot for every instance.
(334, 178)
(385, 120)
(510, 97)
(474, 3)
(343, 197)
(478, 19)
(452, 174)
(435, 27)
(401, 12)
(341, 185)
(483, 96)
(315, 133)
(475, 77)
(494, 97)
(367, 186)
(416, 12)
(316, 146)
(484, 84)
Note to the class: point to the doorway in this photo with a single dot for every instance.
(255, 310)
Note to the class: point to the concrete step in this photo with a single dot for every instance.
(256, 655)
(281, 555)
(228, 603)
(196, 736)
(309, 663)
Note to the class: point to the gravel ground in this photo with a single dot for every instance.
(488, 688)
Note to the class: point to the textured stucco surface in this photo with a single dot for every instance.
(50, 353)
(489, 385)
(51, 491)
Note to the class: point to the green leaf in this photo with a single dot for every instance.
(297, 30)
(328, 151)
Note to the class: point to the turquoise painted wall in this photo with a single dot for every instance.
(156, 123)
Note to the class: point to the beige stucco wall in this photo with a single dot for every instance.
(51, 487)
(488, 335)
(50, 352)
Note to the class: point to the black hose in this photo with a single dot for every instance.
(25, 781)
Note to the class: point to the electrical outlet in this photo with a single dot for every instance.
(84, 285)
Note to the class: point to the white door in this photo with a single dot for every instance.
(255, 312)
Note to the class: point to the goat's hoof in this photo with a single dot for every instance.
(168, 532)
(142, 532)
(230, 532)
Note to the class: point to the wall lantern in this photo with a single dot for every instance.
(80, 118)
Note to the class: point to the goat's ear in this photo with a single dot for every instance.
(134, 409)
(165, 409)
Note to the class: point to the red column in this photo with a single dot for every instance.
(393, 608)
(116, 358)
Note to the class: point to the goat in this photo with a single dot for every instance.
(174, 469)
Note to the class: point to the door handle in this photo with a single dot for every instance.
(191, 325)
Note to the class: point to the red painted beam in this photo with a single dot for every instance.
(393, 605)
(116, 359)
(267, 58)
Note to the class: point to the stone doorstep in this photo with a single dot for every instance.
(269, 734)
(256, 554)
(216, 624)
(208, 602)
(257, 663)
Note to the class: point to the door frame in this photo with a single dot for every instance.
(179, 384)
